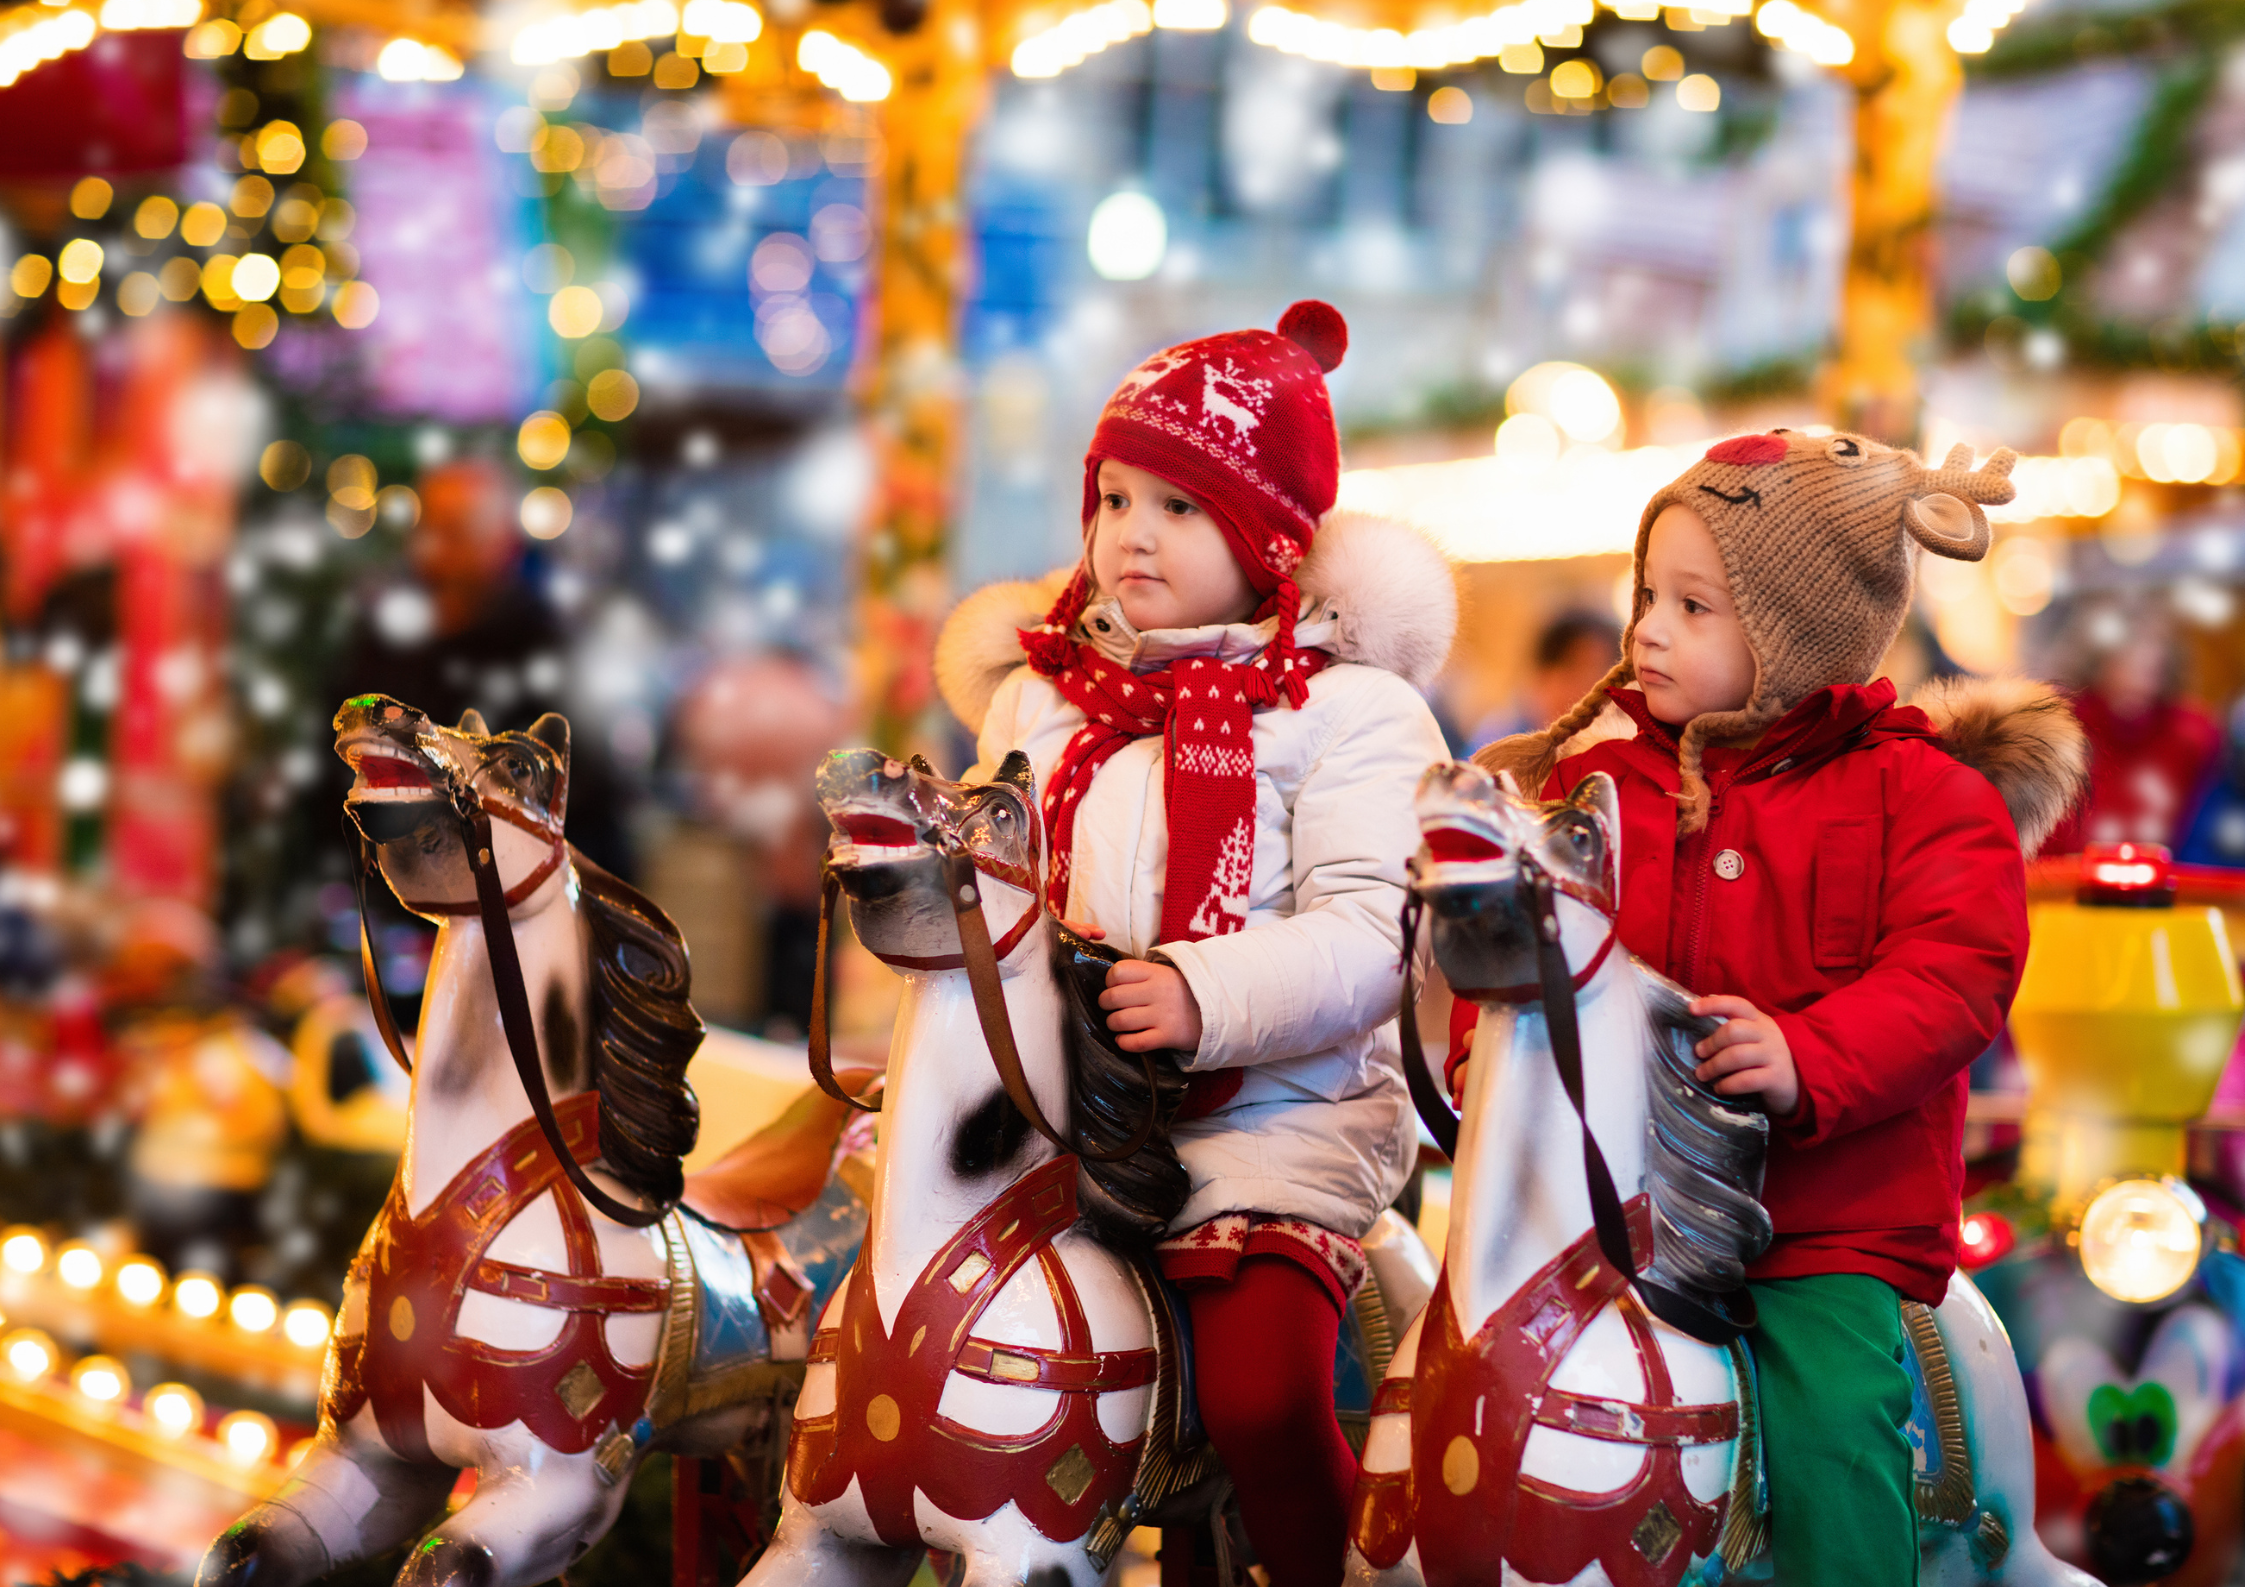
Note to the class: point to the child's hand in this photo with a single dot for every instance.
(1150, 1006)
(1748, 1054)
(1084, 929)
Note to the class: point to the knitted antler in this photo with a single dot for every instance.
(1990, 483)
(1947, 519)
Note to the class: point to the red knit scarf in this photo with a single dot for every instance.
(1205, 711)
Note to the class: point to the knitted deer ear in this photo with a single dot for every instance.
(1948, 527)
(1947, 520)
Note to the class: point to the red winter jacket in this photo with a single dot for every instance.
(1880, 914)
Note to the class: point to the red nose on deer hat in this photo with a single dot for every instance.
(1749, 449)
(1318, 329)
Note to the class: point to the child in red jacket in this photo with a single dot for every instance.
(1843, 876)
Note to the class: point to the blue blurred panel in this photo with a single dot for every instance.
(694, 313)
(1024, 243)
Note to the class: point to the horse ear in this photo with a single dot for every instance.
(472, 722)
(1597, 794)
(552, 730)
(924, 766)
(1014, 772)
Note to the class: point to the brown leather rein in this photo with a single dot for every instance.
(493, 900)
(979, 958)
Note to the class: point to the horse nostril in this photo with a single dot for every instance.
(2139, 1530)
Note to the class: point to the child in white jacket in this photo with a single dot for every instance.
(1220, 713)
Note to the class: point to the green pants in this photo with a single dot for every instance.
(1835, 1399)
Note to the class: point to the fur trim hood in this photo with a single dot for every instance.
(1395, 594)
(2019, 733)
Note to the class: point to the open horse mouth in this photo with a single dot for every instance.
(396, 790)
(1461, 828)
(868, 799)
(874, 837)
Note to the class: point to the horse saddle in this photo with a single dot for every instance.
(1181, 1481)
(777, 1173)
(1943, 1490)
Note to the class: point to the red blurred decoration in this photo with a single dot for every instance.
(113, 106)
(2127, 873)
(1984, 1238)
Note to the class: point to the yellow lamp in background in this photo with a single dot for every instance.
(2125, 1017)
(253, 1309)
(140, 1281)
(101, 1379)
(305, 1324)
(29, 1355)
(23, 1250)
(2141, 1238)
(174, 1409)
(78, 1265)
(197, 1295)
(249, 1437)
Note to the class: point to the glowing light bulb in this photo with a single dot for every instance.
(29, 1353)
(197, 1295)
(248, 1437)
(2141, 1238)
(253, 1309)
(140, 1281)
(101, 1379)
(79, 1266)
(174, 1408)
(23, 1251)
(305, 1324)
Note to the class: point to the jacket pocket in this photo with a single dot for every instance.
(1846, 894)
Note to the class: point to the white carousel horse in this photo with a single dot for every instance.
(999, 1379)
(1548, 1419)
(547, 1321)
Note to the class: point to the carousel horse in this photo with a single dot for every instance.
(545, 1300)
(1576, 1401)
(1001, 1379)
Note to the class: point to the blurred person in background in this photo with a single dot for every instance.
(2152, 753)
(1572, 652)
(471, 630)
(2217, 831)
(750, 734)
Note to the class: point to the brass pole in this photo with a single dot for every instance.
(1906, 79)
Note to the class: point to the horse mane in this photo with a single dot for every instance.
(1128, 1203)
(1703, 1157)
(644, 1031)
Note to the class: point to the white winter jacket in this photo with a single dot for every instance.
(1304, 998)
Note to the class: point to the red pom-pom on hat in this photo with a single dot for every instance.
(1318, 329)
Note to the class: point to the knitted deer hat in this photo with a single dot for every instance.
(1815, 534)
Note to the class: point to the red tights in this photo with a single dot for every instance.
(1263, 1347)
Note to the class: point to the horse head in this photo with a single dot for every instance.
(900, 834)
(1487, 854)
(417, 788)
(1497, 872)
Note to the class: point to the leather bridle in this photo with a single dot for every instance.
(1555, 990)
(979, 957)
(493, 901)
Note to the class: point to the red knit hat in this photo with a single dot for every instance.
(1242, 423)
